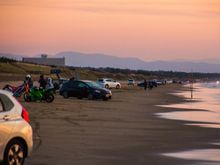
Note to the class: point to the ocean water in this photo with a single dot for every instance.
(203, 110)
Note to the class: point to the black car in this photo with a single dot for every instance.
(84, 89)
(150, 84)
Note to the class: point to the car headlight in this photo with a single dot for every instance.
(97, 91)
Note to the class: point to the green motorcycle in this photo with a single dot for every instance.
(39, 94)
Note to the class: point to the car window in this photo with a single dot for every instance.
(72, 84)
(81, 85)
(7, 104)
(109, 80)
(93, 84)
(67, 84)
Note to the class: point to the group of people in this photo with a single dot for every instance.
(43, 83)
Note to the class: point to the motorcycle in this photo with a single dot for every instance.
(39, 94)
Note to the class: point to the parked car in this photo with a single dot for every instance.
(153, 83)
(84, 89)
(161, 82)
(16, 140)
(131, 82)
(169, 81)
(150, 83)
(141, 83)
(108, 83)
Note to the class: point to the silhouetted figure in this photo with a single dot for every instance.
(72, 78)
(42, 82)
(145, 85)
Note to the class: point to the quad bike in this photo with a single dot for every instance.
(39, 94)
(17, 91)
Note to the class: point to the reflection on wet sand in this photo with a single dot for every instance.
(207, 125)
(211, 118)
(202, 155)
(203, 111)
(204, 108)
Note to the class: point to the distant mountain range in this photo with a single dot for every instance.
(102, 60)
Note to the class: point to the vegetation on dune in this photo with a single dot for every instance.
(6, 60)
(33, 68)
(124, 74)
(10, 68)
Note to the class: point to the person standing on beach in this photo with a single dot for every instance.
(145, 84)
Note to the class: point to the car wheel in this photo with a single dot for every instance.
(105, 99)
(80, 97)
(107, 86)
(90, 96)
(65, 94)
(49, 98)
(117, 86)
(15, 153)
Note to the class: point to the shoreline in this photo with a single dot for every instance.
(124, 130)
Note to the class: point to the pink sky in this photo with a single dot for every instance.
(147, 29)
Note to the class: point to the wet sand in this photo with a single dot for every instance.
(206, 101)
(122, 131)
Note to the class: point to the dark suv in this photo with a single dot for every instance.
(84, 89)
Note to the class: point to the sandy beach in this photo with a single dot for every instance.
(121, 131)
(115, 43)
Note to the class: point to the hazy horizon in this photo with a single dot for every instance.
(147, 29)
(215, 60)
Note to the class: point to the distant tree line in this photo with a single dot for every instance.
(158, 74)
(7, 60)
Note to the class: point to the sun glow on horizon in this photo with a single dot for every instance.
(148, 29)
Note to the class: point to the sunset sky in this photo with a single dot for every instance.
(147, 29)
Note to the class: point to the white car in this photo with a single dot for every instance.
(16, 141)
(131, 82)
(108, 83)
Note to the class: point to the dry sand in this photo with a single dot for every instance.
(122, 131)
